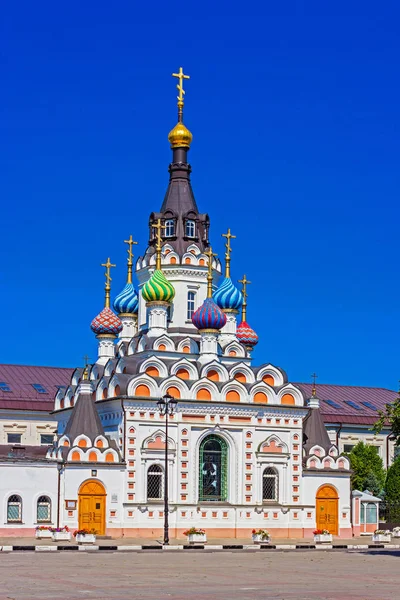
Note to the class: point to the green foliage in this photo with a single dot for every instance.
(392, 486)
(390, 417)
(367, 467)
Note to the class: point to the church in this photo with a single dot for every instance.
(245, 449)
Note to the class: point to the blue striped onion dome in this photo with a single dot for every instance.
(106, 322)
(209, 316)
(227, 296)
(246, 334)
(158, 288)
(127, 301)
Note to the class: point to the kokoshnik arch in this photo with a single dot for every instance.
(246, 449)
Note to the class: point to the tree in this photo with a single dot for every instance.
(367, 467)
(392, 485)
(390, 417)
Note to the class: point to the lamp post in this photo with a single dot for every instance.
(166, 406)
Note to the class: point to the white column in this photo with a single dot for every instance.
(106, 348)
(157, 316)
(208, 345)
(129, 326)
(228, 332)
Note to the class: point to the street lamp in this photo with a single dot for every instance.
(166, 406)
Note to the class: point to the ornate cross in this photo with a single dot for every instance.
(314, 387)
(181, 76)
(245, 282)
(210, 255)
(86, 359)
(228, 237)
(158, 227)
(130, 243)
(108, 265)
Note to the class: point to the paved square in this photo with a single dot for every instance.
(200, 575)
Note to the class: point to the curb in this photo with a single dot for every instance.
(252, 547)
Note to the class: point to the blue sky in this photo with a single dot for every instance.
(294, 109)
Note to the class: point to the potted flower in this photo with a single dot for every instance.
(381, 535)
(85, 536)
(61, 534)
(196, 536)
(396, 532)
(322, 536)
(43, 532)
(260, 536)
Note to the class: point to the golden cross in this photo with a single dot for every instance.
(314, 387)
(130, 243)
(108, 266)
(86, 358)
(228, 237)
(245, 282)
(210, 255)
(158, 227)
(181, 76)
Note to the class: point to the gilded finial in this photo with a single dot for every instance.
(85, 374)
(158, 227)
(107, 288)
(130, 243)
(210, 255)
(180, 136)
(228, 237)
(245, 282)
(314, 387)
(181, 76)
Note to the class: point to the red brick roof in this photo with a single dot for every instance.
(359, 413)
(22, 394)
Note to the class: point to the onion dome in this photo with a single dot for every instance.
(106, 322)
(180, 136)
(246, 335)
(227, 296)
(127, 301)
(158, 288)
(209, 316)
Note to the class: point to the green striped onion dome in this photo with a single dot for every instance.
(158, 288)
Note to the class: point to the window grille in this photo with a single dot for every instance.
(190, 228)
(169, 228)
(213, 469)
(14, 509)
(155, 483)
(43, 509)
(190, 304)
(270, 485)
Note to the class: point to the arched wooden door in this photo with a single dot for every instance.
(327, 506)
(92, 506)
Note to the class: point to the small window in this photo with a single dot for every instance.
(190, 228)
(155, 483)
(39, 388)
(46, 439)
(169, 228)
(14, 509)
(4, 387)
(270, 485)
(14, 438)
(347, 448)
(43, 513)
(190, 304)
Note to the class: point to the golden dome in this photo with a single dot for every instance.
(180, 136)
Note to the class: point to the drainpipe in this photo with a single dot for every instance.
(59, 469)
(124, 429)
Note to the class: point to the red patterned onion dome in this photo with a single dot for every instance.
(209, 316)
(246, 335)
(106, 322)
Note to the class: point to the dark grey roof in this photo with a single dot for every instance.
(84, 419)
(22, 453)
(314, 431)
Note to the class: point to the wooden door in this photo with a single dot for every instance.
(92, 507)
(327, 507)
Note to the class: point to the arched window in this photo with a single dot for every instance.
(190, 228)
(270, 485)
(155, 476)
(169, 228)
(191, 297)
(213, 469)
(14, 509)
(43, 509)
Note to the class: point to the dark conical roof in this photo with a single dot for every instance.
(84, 418)
(314, 431)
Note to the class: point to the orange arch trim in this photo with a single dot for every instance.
(93, 456)
(162, 347)
(288, 399)
(117, 390)
(213, 375)
(260, 398)
(203, 394)
(182, 373)
(99, 444)
(232, 353)
(173, 260)
(202, 262)
(240, 377)
(186, 349)
(233, 396)
(153, 371)
(269, 379)
(82, 444)
(109, 457)
(142, 390)
(173, 391)
(75, 455)
(188, 261)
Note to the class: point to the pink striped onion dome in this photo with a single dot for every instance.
(106, 323)
(246, 335)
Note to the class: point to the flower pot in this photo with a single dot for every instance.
(381, 538)
(197, 538)
(41, 534)
(86, 538)
(61, 536)
(396, 534)
(260, 539)
(323, 538)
